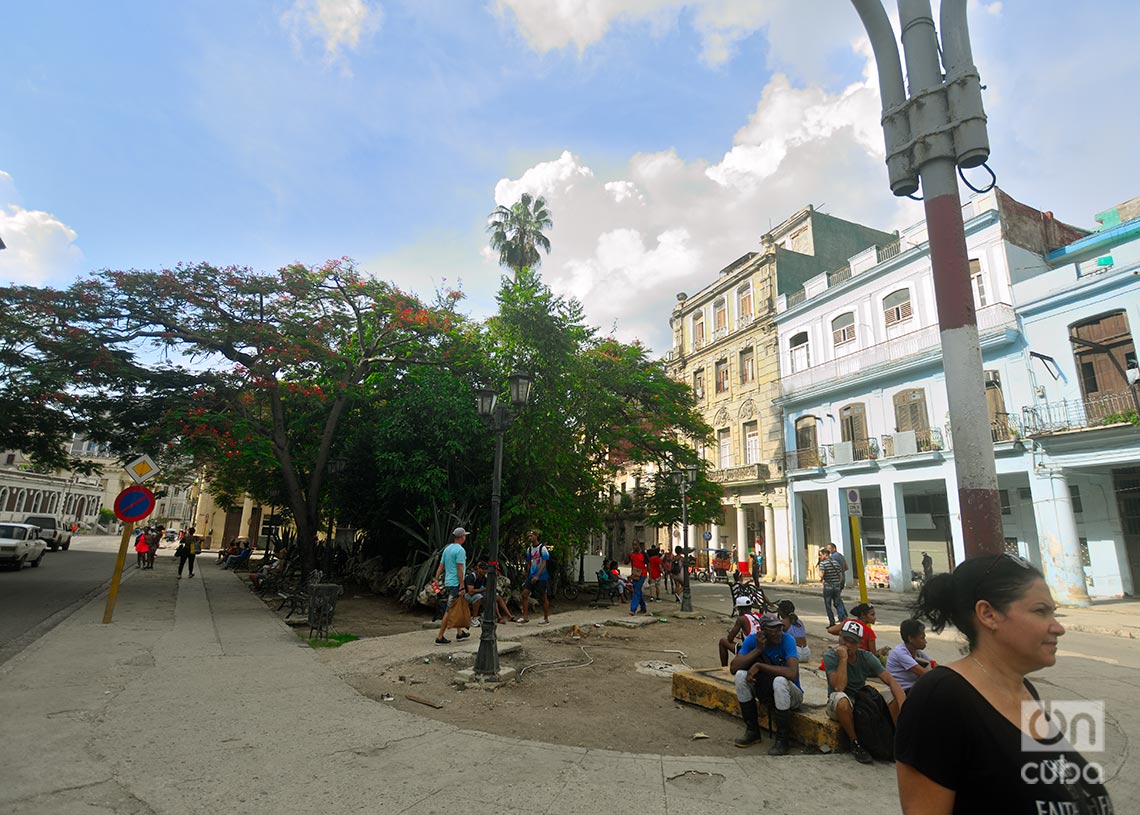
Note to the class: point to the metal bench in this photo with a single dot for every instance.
(296, 596)
(760, 601)
(322, 607)
(608, 588)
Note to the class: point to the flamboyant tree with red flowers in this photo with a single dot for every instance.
(278, 359)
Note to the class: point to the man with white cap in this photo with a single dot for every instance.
(451, 565)
(745, 623)
(848, 668)
(767, 670)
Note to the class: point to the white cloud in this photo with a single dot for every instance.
(336, 24)
(803, 49)
(625, 246)
(41, 248)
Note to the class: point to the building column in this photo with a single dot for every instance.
(1057, 536)
(840, 529)
(743, 545)
(954, 509)
(797, 553)
(894, 532)
(246, 514)
(771, 559)
(715, 542)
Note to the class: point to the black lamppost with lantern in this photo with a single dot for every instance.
(683, 478)
(499, 417)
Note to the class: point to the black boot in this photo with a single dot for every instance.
(783, 720)
(751, 718)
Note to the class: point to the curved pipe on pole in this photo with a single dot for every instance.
(963, 87)
(896, 128)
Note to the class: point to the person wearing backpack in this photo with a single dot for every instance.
(848, 668)
(538, 579)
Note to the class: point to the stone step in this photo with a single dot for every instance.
(713, 689)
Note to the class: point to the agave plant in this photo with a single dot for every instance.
(430, 542)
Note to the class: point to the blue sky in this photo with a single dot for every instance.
(666, 135)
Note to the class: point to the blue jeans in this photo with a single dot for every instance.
(833, 595)
(638, 602)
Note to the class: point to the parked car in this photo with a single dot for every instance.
(20, 544)
(54, 533)
(170, 535)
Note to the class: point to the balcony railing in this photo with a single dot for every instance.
(745, 472)
(1082, 414)
(838, 276)
(795, 298)
(806, 458)
(912, 442)
(1005, 427)
(891, 250)
(848, 452)
(991, 319)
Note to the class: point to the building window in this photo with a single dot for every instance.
(744, 304)
(720, 317)
(698, 329)
(979, 282)
(751, 443)
(843, 329)
(910, 410)
(1006, 509)
(896, 307)
(747, 367)
(699, 385)
(10, 458)
(1103, 350)
(1000, 429)
(807, 450)
(724, 448)
(801, 356)
(1086, 559)
(1075, 498)
(722, 376)
(853, 426)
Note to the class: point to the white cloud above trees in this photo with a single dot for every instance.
(41, 248)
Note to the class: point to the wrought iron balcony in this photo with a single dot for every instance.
(912, 442)
(848, 452)
(891, 250)
(838, 276)
(807, 458)
(1119, 407)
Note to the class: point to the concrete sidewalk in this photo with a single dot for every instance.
(1115, 617)
(143, 716)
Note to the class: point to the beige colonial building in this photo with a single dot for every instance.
(725, 348)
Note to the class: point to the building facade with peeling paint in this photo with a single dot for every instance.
(864, 405)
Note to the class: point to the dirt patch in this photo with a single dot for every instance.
(608, 687)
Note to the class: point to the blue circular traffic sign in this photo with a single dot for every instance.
(134, 504)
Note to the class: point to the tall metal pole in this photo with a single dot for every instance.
(940, 127)
(487, 658)
(686, 592)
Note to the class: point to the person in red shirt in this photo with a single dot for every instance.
(864, 613)
(638, 572)
(655, 572)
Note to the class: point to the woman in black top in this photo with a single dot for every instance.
(961, 746)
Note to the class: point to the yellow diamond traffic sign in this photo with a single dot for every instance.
(142, 469)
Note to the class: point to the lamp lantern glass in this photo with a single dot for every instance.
(691, 473)
(487, 399)
(520, 388)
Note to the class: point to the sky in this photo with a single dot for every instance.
(667, 136)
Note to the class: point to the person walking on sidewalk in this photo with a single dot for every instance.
(538, 579)
(835, 554)
(832, 574)
(451, 566)
(188, 550)
(638, 571)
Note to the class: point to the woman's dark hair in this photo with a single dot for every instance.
(911, 628)
(786, 608)
(857, 611)
(950, 598)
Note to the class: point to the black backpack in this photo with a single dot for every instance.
(873, 724)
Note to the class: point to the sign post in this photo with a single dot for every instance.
(855, 511)
(133, 504)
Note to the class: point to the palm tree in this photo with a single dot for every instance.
(516, 232)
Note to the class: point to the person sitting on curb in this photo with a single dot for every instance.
(474, 587)
(745, 623)
(906, 662)
(451, 564)
(866, 614)
(848, 667)
(767, 670)
(786, 611)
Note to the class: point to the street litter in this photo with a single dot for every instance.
(387, 697)
(423, 701)
(697, 736)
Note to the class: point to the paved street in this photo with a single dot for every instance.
(32, 600)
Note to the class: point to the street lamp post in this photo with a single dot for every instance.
(500, 416)
(683, 478)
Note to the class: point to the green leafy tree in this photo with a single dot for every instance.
(517, 232)
(284, 355)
